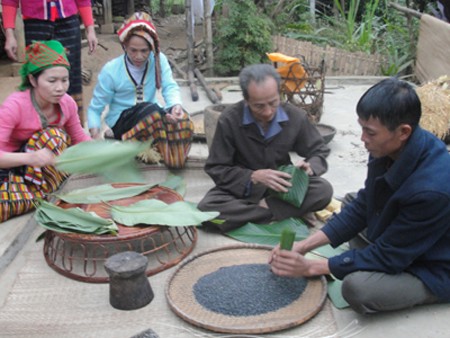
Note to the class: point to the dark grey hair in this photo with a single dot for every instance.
(257, 73)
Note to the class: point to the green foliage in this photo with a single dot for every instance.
(374, 28)
(242, 37)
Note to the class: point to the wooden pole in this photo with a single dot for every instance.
(312, 10)
(209, 92)
(406, 10)
(108, 26)
(190, 49)
(20, 37)
(208, 38)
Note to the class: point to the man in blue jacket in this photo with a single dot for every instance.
(399, 223)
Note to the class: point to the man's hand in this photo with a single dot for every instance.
(176, 113)
(293, 264)
(273, 179)
(11, 44)
(305, 166)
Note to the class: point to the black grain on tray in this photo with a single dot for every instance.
(247, 290)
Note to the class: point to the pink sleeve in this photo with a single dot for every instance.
(9, 16)
(86, 16)
(8, 119)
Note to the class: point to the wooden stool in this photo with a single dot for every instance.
(129, 288)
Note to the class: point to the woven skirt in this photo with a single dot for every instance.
(21, 187)
(146, 122)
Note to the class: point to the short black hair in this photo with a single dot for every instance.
(257, 73)
(393, 102)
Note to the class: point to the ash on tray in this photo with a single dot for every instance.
(247, 290)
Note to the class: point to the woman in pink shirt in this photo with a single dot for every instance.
(53, 20)
(36, 123)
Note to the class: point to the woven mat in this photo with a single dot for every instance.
(43, 303)
(182, 300)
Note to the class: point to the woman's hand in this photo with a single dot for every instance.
(92, 39)
(41, 158)
(176, 113)
(95, 133)
(11, 44)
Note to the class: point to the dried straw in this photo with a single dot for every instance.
(150, 156)
(435, 99)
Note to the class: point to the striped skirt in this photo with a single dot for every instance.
(21, 187)
(146, 122)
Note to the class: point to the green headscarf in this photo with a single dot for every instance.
(41, 55)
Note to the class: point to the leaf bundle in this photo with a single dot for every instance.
(287, 239)
(156, 212)
(296, 193)
(72, 220)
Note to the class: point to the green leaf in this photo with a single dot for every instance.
(54, 218)
(176, 183)
(299, 181)
(156, 212)
(269, 234)
(335, 294)
(113, 159)
(103, 192)
(328, 251)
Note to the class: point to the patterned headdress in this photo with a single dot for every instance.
(41, 55)
(140, 24)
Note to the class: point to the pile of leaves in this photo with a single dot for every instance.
(150, 212)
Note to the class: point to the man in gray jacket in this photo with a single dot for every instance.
(253, 138)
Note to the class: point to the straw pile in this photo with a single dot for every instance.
(435, 98)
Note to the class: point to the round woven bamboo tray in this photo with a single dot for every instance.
(182, 301)
(82, 256)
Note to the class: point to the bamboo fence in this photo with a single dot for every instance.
(338, 62)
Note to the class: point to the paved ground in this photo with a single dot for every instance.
(18, 249)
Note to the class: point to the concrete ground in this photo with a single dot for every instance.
(347, 168)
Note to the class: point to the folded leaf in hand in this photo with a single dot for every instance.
(72, 220)
(156, 212)
(102, 193)
(269, 234)
(103, 157)
(299, 181)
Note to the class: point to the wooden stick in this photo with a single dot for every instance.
(192, 86)
(211, 95)
(406, 10)
(178, 69)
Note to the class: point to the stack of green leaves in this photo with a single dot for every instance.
(72, 220)
(114, 160)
